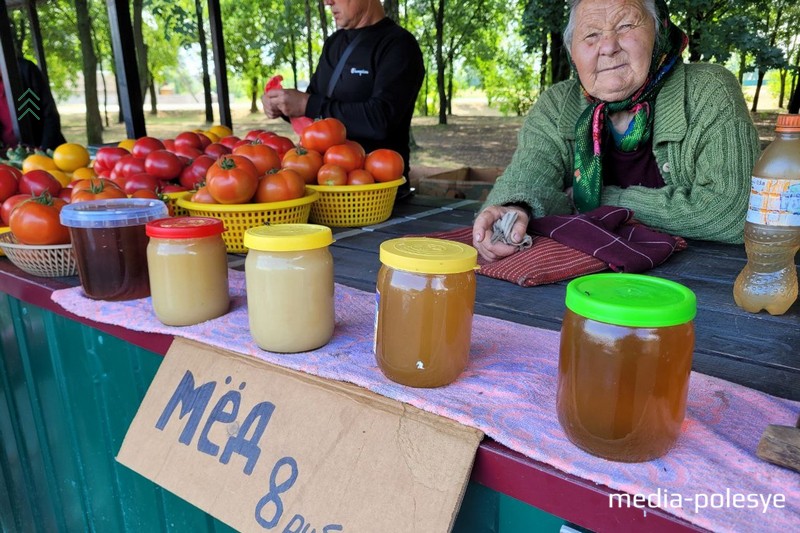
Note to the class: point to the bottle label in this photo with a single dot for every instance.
(774, 202)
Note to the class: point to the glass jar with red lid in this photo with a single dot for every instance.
(188, 265)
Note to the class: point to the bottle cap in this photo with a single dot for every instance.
(112, 212)
(428, 256)
(788, 123)
(632, 300)
(184, 227)
(288, 237)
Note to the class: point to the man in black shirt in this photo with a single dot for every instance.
(375, 93)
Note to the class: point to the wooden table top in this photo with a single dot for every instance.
(760, 351)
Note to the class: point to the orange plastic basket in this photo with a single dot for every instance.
(354, 205)
(45, 261)
(238, 218)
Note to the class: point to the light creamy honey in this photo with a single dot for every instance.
(290, 288)
(188, 273)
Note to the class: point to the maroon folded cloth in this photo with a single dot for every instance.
(610, 234)
(550, 261)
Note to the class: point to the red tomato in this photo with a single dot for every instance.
(188, 139)
(344, 155)
(305, 162)
(241, 143)
(195, 174)
(66, 194)
(140, 181)
(216, 150)
(229, 141)
(188, 151)
(359, 176)
(9, 181)
(95, 189)
(35, 182)
(145, 145)
(263, 157)
(171, 187)
(128, 166)
(232, 179)
(144, 193)
(163, 165)
(9, 205)
(277, 143)
(323, 134)
(106, 158)
(280, 186)
(331, 175)
(169, 145)
(385, 165)
(36, 222)
(202, 196)
(252, 135)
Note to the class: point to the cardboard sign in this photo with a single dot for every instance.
(263, 448)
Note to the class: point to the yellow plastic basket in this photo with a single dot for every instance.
(3, 229)
(172, 203)
(45, 261)
(238, 218)
(354, 205)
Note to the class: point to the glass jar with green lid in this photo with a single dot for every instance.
(425, 297)
(290, 290)
(625, 359)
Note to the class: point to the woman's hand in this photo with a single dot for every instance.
(284, 102)
(482, 232)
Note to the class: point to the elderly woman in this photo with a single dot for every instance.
(640, 129)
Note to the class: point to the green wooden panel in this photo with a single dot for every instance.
(68, 394)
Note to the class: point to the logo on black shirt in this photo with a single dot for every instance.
(360, 72)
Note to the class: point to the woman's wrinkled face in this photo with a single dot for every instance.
(612, 47)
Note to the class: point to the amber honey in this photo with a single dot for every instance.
(425, 298)
(622, 388)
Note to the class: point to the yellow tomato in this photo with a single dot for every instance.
(83, 173)
(38, 162)
(63, 178)
(220, 131)
(127, 144)
(70, 156)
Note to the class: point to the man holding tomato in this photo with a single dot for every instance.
(375, 92)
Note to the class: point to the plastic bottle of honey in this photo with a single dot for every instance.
(772, 228)
(624, 365)
(188, 265)
(290, 289)
(425, 296)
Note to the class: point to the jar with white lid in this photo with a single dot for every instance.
(188, 265)
(290, 289)
(425, 297)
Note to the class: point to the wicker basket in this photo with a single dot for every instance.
(354, 205)
(45, 261)
(238, 218)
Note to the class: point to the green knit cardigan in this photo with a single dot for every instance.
(704, 142)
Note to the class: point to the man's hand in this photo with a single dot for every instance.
(482, 232)
(284, 102)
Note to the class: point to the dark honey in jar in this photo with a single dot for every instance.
(425, 296)
(625, 360)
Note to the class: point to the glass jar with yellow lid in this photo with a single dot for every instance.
(290, 290)
(625, 360)
(425, 297)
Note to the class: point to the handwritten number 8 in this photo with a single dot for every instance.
(274, 492)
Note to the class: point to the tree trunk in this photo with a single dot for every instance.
(450, 86)
(392, 9)
(323, 19)
(141, 50)
(201, 36)
(440, 66)
(794, 101)
(742, 67)
(782, 94)
(543, 65)
(758, 91)
(153, 99)
(309, 44)
(287, 4)
(94, 123)
(254, 91)
(558, 57)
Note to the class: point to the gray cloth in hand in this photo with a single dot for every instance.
(501, 231)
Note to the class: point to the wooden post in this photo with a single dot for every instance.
(218, 46)
(12, 79)
(119, 19)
